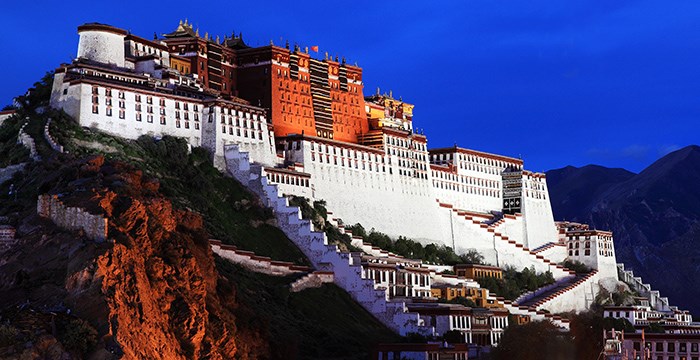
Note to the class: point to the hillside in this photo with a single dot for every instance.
(654, 216)
(155, 289)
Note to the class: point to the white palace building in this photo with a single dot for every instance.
(305, 126)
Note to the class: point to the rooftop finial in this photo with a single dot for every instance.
(272, 42)
(326, 55)
(197, 32)
(180, 24)
(206, 35)
(306, 49)
(186, 24)
(218, 40)
(391, 94)
(336, 58)
(286, 44)
(377, 90)
(155, 36)
(343, 60)
(240, 35)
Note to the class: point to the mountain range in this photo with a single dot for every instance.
(654, 216)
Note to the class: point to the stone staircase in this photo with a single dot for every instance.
(544, 247)
(535, 315)
(562, 296)
(312, 280)
(346, 268)
(656, 301)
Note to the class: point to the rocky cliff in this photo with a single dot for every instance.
(152, 291)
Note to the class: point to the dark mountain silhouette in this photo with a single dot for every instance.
(654, 216)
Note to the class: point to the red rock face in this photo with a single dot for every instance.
(151, 292)
(159, 279)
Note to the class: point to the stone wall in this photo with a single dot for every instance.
(255, 263)
(635, 283)
(7, 236)
(72, 218)
(577, 297)
(26, 140)
(555, 252)
(313, 280)
(52, 142)
(8, 172)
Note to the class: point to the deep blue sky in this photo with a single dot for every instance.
(559, 83)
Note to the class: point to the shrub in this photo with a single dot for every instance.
(515, 283)
(576, 266)
(79, 336)
(8, 335)
(439, 254)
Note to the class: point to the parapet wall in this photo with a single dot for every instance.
(656, 301)
(72, 218)
(52, 142)
(255, 263)
(26, 140)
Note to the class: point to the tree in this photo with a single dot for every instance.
(536, 340)
(453, 337)
(472, 257)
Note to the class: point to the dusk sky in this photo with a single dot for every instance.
(558, 83)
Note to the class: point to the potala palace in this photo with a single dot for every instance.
(285, 123)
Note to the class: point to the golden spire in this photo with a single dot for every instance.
(197, 33)
(206, 35)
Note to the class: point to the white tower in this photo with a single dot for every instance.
(101, 43)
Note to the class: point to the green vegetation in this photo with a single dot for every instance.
(13, 153)
(515, 283)
(8, 335)
(459, 300)
(622, 296)
(654, 328)
(232, 214)
(437, 254)
(318, 214)
(314, 323)
(583, 342)
(78, 336)
(577, 266)
(550, 342)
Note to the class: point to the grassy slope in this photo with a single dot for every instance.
(12, 153)
(315, 323)
(190, 181)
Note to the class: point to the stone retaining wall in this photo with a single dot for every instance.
(72, 218)
(26, 140)
(52, 142)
